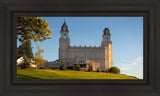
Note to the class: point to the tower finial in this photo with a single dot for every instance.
(64, 20)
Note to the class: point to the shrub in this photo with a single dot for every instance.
(70, 68)
(63, 67)
(74, 67)
(25, 65)
(79, 68)
(53, 68)
(114, 70)
(90, 69)
(98, 70)
(41, 68)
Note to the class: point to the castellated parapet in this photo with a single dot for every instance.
(97, 56)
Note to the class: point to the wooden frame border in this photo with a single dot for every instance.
(150, 86)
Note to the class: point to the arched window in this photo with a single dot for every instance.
(101, 63)
(62, 54)
(82, 54)
(64, 35)
(102, 55)
(87, 54)
(72, 55)
(77, 54)
(92, 55)
(106, 38)
(97, 55)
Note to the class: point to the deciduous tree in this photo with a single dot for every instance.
(39, 61)
(114, 70)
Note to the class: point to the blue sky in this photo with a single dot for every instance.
(126, 36)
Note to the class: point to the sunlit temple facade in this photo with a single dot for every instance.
(99, 57)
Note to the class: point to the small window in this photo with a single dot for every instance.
(97, 54)
(92, 55)
(77, 54)
(72, 55)
(82, 54)
(102, 55)
(107, 38)
(87, 54)
(64, 35)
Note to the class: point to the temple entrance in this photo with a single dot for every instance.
(84, 67)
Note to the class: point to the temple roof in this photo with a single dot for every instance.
(64, 27)
(106, 31)
(64, 24)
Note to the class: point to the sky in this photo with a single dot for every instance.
(126, 36)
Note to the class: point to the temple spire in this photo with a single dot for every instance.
(64, 21)
(64, 26)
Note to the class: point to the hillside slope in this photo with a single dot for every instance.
(68, 74)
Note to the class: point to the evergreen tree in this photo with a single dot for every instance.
(26, 63)
(63, 67)
(79, 68)
(30, 28)
(90, 69)
(98, 69)
(33, 28)
(25, 49)
(28, 49)
(20, 51)
(74, 67)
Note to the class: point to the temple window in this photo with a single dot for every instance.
(92, 55)
(82, 54)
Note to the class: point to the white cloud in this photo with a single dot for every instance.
(132, 67)
(138, 60)
(124, 67)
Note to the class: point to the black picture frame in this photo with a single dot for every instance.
(149, 86)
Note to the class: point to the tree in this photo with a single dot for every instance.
(25, 49)
(39, 61)
(33, 28)
(30, 28)
(28, 49)
(26, 63)
(20, 51)
(79, 68)
(63, 67)
(74, 67)
(90, 69)
(98, 69)
(114, 70)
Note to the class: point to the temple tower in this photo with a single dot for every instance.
(107, 45)
(64, 41)
(106, 37)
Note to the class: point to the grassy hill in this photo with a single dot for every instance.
(68, 74)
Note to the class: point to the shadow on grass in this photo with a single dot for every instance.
(20, 76)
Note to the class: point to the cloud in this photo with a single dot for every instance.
(132, 67)
(138, 60)
(124, 67)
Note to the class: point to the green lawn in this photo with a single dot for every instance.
(68, 74)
